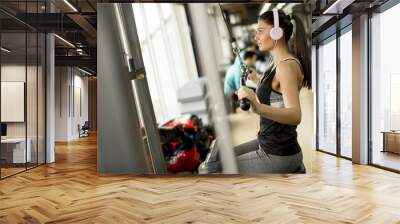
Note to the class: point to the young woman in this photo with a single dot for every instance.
(276, 99)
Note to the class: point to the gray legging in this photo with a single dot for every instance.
(252, 160)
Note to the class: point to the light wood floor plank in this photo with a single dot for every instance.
(71, 191)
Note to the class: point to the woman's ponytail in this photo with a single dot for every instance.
(299, 45)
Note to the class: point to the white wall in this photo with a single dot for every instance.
(71, 87)
(16, 73)
(11, 73)
(62, 81)
(33, 126)
(79, 117)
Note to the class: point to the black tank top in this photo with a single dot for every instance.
(275, 138)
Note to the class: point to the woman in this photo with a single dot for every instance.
(276, 99)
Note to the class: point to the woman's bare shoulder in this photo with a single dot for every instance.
(288, 68)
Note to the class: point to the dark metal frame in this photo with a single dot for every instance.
(317, 90)
(45, 89)
(26, 88)
(44, 74)
(338, 98)
(316, 97)
(37, 91)
(369, 126)
(343, 30)
(389, 4)
(0, 91)
(339, 32)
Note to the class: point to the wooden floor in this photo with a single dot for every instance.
(70, 191)
(387, 159)
(10, 171)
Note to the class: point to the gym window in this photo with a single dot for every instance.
(167, 53)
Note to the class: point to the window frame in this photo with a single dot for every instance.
(333, 37)
(379, 10)
(173, 59)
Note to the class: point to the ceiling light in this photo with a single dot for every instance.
(280, 5)
(265, 8)
(84, 71)
(338, 6)
(5, 50)
(70, 5)
(65, 41)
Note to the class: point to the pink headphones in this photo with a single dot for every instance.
(276, 32)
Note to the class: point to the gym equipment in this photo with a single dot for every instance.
(84, 129)
(185, 143)
(212, 163)
(244, 103)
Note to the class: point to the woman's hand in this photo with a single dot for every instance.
(253, 76)
(247, 93)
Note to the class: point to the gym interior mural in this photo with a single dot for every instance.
(221, 103)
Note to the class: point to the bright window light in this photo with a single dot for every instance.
(70, 5)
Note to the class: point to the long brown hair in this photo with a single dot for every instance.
(297, 41)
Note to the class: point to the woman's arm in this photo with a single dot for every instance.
(291, 114)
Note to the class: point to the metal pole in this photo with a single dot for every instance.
(50, 93)
(141, 88)
(120, 144)
(209, 66)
